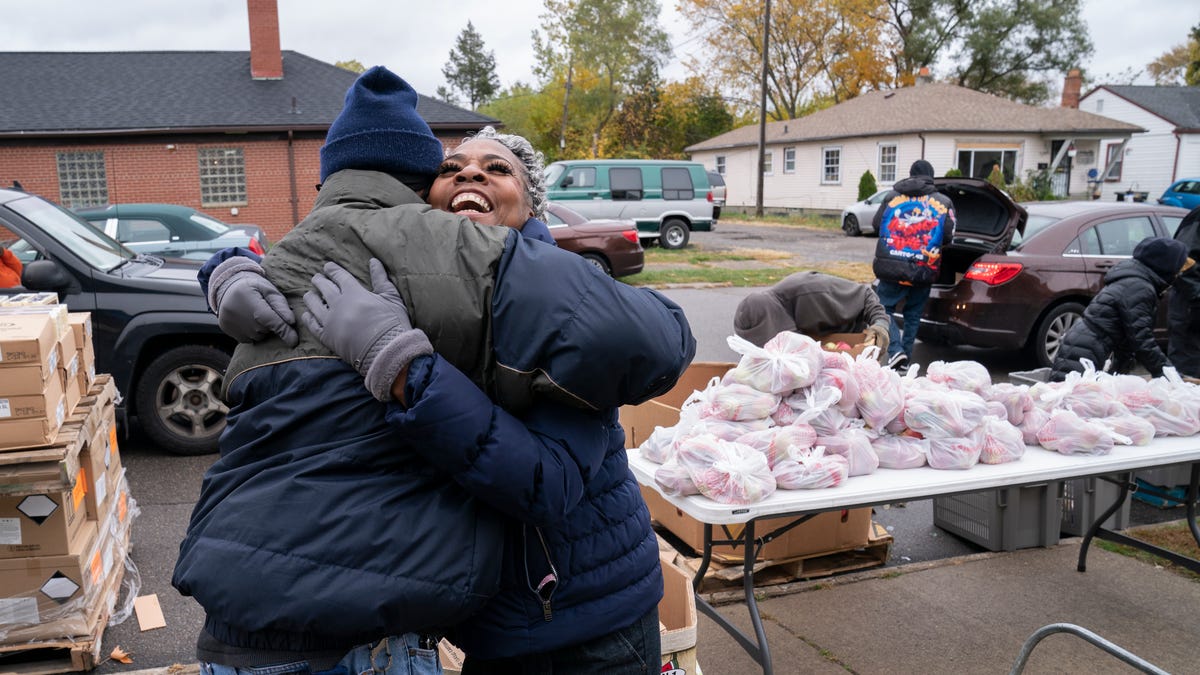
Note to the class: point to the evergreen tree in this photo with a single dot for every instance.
(471, 70)
(867, 185)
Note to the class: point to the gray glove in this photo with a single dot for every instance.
(249, 308)
(882, 338)
(369, 330)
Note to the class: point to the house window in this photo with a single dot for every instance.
(789, 160)
(978, 163)
(82, 179)
(1113, 156)
(721, 164)
(887, 163)
(832, 173)
(768, 162)
(222, 176)
(1099, 105)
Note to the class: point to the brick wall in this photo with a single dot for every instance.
(167, 170)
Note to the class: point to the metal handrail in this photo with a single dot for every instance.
(1121, 653)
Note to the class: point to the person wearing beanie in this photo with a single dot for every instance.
(914, 222)
(813, 304)
(1183, 304)
(1117, 328)
(331, 529)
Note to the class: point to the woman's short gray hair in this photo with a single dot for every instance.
(534, 161)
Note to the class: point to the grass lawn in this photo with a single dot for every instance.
(1174, 536)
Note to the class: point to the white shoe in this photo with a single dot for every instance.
(898, 361)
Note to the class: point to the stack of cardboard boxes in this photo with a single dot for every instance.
(65, 510)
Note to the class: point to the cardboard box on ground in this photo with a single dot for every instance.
(827, 532)
(677, 630)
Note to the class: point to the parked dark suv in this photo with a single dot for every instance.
(151, 325)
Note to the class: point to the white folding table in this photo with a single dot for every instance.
(885, 486)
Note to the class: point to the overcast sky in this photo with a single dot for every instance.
(414, 38)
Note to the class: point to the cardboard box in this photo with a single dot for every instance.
(26, 338)
(677, 614)
(41, 524)
(68, 596)
(827, 532)
(855, 340)
(47, 403)
(56, 312)
(102, 463)
(81, 326)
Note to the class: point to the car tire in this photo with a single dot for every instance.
(850, 226)
(596, 260)
(178, 401)
(1051, 330)
(674, 234)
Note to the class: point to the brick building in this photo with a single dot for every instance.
(235, 134)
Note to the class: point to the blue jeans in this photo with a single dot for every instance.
(397, 655)
(629, 651)
(914, 297)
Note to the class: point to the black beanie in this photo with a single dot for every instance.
(379, 129)
(1162, 255)
(921, 168)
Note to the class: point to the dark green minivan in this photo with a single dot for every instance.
(668, 199)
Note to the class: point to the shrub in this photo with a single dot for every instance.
(996, 177)
(954, 173)
(866, 185)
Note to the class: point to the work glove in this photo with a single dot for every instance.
(249, 308)
(877, 335)
(370, 330)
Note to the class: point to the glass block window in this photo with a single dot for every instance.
(82, 179)
(887, 163)
(222, 176)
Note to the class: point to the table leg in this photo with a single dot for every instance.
(1096, 531)
(760, 651)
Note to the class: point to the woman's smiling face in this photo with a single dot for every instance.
(484, 181)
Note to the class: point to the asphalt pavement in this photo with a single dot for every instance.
(865, 615)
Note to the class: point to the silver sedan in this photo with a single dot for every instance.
(861, 214)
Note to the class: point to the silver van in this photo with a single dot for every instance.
(668, 199)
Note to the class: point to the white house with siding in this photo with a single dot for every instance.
(815, 162)
(1168, 149)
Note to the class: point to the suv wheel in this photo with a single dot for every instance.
(1050, 332)
(674, 234)
(178, 399)
(850, 225)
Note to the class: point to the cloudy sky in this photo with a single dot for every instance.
(414, 37)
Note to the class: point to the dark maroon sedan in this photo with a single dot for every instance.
(611, 245)
(1018, 276)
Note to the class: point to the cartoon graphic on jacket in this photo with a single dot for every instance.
(914, 223)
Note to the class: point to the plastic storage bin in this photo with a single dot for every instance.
(1172, 480)
(1086, 498)
(1004, 519)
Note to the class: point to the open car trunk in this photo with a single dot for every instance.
(987, 219)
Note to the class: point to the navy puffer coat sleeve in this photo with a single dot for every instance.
(533, 468)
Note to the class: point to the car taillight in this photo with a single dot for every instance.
(256, 247)
(993, 273)
(631, 235)
(710, 195)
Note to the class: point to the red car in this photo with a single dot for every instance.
(611, 245)
(1018, 276)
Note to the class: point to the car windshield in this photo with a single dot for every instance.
(211, 224)
(96, 248)
(1036, 223)
(552, 173)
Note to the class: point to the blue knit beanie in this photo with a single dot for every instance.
(379, 129)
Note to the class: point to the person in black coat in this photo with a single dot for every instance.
(1119, 322)
(1183, 306)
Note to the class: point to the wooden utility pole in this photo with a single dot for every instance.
(762, 110)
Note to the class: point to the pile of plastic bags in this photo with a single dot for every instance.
(791, 415)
